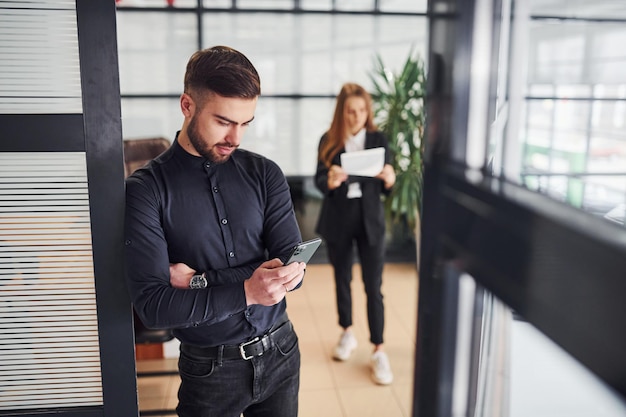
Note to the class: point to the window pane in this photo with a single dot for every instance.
(288, 132)
(157, 3)
(416, 6)
(576, 109)
(576, 52)
(218, 4)
(322, 52)
(154, 118)
(153, 61)
(608, 9)
(547, 381)
(355, 5)
(316, 4)
(265, 4)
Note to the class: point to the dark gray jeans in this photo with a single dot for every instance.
(265, 386)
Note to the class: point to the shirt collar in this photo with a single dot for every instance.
(356, 142)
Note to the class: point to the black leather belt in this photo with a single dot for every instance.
(245, 351)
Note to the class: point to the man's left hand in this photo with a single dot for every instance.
(180, 275)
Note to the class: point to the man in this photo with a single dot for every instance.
(208, 227)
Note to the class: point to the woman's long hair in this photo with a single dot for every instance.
(337, 134)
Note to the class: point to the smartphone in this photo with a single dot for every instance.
(303, 251)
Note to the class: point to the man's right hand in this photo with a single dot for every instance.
(271, 281)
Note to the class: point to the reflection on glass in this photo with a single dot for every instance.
(546, 381)
(573, 136)
(607, 9)
(519, 371)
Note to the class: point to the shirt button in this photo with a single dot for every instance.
(208, 165)
(231, 254)
(224, 221)
(214, 189)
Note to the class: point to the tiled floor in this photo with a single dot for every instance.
(329, 388)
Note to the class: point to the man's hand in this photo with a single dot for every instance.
(271, 281)
(180, 275)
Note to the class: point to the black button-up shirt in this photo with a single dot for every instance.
(221, 219)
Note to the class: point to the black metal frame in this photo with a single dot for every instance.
(98, 133)
(97, 39)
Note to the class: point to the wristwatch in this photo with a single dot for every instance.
(198, 282)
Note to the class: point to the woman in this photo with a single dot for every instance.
(352, 212)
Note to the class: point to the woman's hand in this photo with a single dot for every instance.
(388, 175)
(336, 175)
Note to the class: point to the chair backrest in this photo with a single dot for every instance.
(144, 335)
(138, 152)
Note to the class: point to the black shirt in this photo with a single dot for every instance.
(221, 219)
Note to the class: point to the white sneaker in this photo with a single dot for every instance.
(381, 370)
(343, 350)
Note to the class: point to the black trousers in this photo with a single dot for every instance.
(340, 254)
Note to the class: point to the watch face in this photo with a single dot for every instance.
(197, 281)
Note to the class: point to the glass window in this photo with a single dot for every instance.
(355, 5)
(157, 3)
(316, 4)
(518, 371)
(607, 9)
(547, 381)
(153, 51)
(217, 4)
(288, 131)
(417, 6)
(151, 118)
(322, 52)
(265, 4)
(575, 109)
(302, 58)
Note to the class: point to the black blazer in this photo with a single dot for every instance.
(329, 223)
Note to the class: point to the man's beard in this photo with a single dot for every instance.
(201, 147)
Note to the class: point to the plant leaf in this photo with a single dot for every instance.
(400, 113)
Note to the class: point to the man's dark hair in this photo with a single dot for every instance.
(224, 71)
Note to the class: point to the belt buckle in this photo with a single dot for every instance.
(242, 348)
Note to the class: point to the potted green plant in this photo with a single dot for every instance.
(399, 111)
